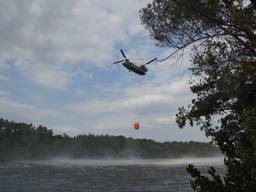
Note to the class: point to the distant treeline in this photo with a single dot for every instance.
(21, 141)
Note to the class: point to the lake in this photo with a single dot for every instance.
(63, 175)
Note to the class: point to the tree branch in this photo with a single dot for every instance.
(191, 42)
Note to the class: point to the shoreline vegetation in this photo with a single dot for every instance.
(22, 141)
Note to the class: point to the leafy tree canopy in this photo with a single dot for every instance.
(26, 142)
(223, 35)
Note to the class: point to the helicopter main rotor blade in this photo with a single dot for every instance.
(123, 53)
(118, 61)
(151, 61)
(136, 59)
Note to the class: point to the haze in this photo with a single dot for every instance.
(212, 161)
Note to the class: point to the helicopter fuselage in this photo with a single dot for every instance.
(140, 70)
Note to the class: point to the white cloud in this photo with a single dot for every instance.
(156, 105)
(44, 74)
(144, 96)
(4, 93)
(55, 42)
(3, 77)
(160, 128)
(20, 112)
(45, 36)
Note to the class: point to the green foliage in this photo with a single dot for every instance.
(202, 183)
(224, 78)
(24, 141)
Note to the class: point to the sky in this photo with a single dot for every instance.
(56, 69)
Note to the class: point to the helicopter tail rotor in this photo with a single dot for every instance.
(118, 61)
(125, 58)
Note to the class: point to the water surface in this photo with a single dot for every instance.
(60, 175)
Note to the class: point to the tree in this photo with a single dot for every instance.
(223, 36)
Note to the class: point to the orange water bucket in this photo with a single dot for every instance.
(136, 125)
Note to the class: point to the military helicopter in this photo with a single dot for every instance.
(138, 69)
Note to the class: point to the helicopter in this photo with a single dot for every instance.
(138, 69)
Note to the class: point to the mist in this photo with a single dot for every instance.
(207, 161)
